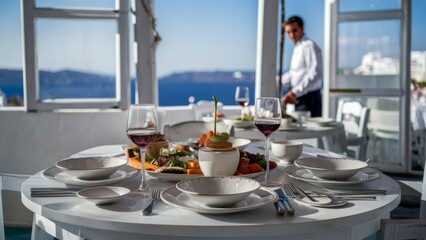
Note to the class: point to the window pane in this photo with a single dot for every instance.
(368, 5)
(79, 4)
(11, 78)
(76, 58)
(208, 47)
(368, 55)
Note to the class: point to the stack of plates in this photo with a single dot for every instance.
(90, 171)
(364, 175)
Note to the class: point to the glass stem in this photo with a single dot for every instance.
(267, 177)
(143, 186)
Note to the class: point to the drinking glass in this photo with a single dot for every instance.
(242, 97)
(267, 119)
(142, 126)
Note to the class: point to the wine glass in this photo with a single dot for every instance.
(142, 126)
(267, 119)
(242, 97)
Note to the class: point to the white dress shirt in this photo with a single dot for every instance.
(305, 74)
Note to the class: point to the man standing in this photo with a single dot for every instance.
(304, 78)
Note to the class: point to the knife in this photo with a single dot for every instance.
(285, 201)
(280, 207)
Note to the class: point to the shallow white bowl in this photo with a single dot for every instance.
(331, 168)
(223, 191)
(287, 151)
(239, 123)
(240, 143)
(91, 168)
(104, 194)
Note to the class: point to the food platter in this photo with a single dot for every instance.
(261, 197)
(364, 175)
(239, 123)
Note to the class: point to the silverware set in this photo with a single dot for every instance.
(294, 191)
(283, 205)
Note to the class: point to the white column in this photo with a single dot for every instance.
(266, 59)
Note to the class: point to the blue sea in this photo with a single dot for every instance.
(170, 93)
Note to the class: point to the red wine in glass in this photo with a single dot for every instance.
(243, 102)
(267, 119)
(267, 128)
(141, 137)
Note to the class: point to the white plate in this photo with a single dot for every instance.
(293, 127)
(321, 121)
(239, 123)
(364, 175)
(335, 202)
(261, 197)
(179, 177)
(210, 119)
(91, 168)
(320, 201)
(103, 194)
(56, 174)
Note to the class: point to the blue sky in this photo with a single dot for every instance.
(197, 35)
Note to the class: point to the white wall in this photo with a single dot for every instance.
(31, 142)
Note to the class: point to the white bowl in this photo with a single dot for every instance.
(287, 151)
(331, 168)
(240, 143)
(91, 168)
(104, 194)
(218, 162)
(238, 123)
(218, 191)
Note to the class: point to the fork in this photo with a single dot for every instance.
(299, 191)
(289, 191)
(155, 195)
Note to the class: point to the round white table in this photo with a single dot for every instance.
(75, 218)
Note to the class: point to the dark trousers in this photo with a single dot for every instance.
(312, 102)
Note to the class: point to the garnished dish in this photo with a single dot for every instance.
(177, 163)
(173, 161)
(241, 121)
(218, 157)
(246, 118)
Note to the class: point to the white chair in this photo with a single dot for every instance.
(193, 129)
(355, 118)
(384, 125)
(10, 182)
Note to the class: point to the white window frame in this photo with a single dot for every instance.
(30, 14)
(332, 18)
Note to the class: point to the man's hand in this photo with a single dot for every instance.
(289, 97)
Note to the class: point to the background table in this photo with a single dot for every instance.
(330, 137)
(75, 218)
